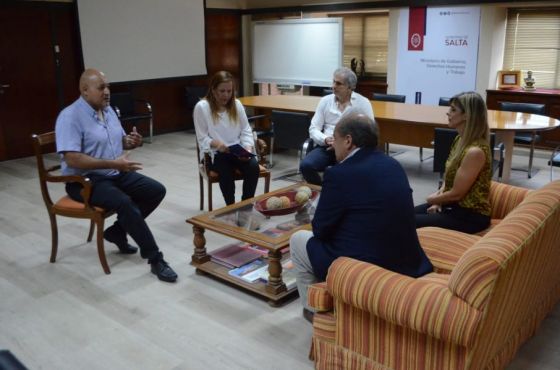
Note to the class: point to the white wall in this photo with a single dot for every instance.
(491, 46)
(392, 52)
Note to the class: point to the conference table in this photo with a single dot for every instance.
(413, 124)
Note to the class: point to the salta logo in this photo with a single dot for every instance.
(415, 40)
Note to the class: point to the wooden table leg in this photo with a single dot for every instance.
(199, 241)
(275, 284)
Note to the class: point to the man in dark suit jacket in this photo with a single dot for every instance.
(365, 212)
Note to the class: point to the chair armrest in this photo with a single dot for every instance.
(145, 103)
(319, 297)
(206, 161)
(84, 181)
(500, 148)
(257, 117)
(307, 146)
(553, 162)
(260, 147)
(423, 306)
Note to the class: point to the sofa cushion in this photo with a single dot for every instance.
(493, 223)
(444, 247)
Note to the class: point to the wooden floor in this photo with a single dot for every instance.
(70, 315)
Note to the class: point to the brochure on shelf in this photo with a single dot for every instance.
(234, 255)
(248, 271)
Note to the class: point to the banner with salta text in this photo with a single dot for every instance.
(443, 61)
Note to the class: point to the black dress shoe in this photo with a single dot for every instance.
(163, 271)
(112, 235)
(127, 249)
(308, 315)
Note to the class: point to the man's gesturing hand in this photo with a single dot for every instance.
(124, 164)
(132, 140)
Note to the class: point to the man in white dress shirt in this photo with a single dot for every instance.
(330, 110)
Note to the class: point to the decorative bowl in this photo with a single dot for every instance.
(294, 206)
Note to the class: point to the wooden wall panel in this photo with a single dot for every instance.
(167, 98)
(29, 66)
(223, 42)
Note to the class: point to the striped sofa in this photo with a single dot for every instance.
(488, 295)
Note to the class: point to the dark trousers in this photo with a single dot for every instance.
(225, 165)
(452, 217)
(316, 161)
(133, 197)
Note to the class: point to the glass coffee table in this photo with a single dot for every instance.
(242, 222)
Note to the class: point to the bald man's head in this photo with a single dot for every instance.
(94, 88)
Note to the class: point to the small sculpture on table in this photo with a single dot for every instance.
(354, 65)
(362, 70)
(529, 82)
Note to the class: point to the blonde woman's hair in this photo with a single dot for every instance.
(218, 78)
(476, 125)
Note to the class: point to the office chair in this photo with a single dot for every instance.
(443, 139)
(65, 206)
(290, 130)
(130, 110)
(444, 102)
(389, 97)
(212, 177)
(193, 94)
(554, 160)
(521, 137)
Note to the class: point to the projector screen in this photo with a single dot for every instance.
(133, 40)
(297, 51)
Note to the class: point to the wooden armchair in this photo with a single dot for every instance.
(211, 177)
(65, 206)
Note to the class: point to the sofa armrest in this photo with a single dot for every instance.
(504, 198)
(422, 306)
(319, 297)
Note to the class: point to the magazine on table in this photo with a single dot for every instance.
(288, 274)
(251, 271)
(234, 255)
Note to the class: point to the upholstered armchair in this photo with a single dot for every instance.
(474, 316)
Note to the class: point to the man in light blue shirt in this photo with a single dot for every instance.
(90, 140)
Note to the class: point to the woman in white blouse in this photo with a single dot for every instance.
(220, 121)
